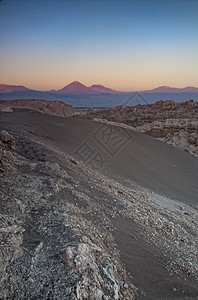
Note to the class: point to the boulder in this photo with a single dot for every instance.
(7, 109)
(8, 140)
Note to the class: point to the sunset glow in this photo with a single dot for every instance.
(125, 45)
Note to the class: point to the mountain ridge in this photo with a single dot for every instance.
(74, 87)
(77, 87)
(169, 89)
(7, 88)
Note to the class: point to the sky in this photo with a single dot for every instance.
(126, 45)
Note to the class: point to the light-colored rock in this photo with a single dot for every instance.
(181, 133)
(7, 109)
(88, 259)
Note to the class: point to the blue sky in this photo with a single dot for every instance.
(126, 45)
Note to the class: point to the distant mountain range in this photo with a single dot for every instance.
(5, 88)
(168, 89)
(79, 88)
(73, 88)
(79, 95)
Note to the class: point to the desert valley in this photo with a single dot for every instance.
(98, 150)
(99, 203)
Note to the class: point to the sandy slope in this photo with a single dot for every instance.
(144, 160)
(148, 229)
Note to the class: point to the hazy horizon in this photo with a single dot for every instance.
(123, 45)
(68, 83)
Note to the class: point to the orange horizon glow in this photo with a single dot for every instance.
(115, 87)
(137, 46)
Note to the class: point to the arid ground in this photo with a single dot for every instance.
(95, 211)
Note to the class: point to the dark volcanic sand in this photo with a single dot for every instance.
(146, 266)
(143, 160)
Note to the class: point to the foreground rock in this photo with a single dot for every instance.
(55, 108)
(67, 230)
(7, 109)
(45, 251)
(7, 140)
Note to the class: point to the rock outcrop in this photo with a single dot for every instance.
(7, 151)
(143, 114)
(7, 109)
(182, 133)
(55, 108)
(7, 140)
(174, 123)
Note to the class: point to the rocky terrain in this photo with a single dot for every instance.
(182, 133)
(69, 231)
(174, 123)
(46, 250)
(55, 108)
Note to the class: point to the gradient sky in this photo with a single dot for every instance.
(123, 44)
